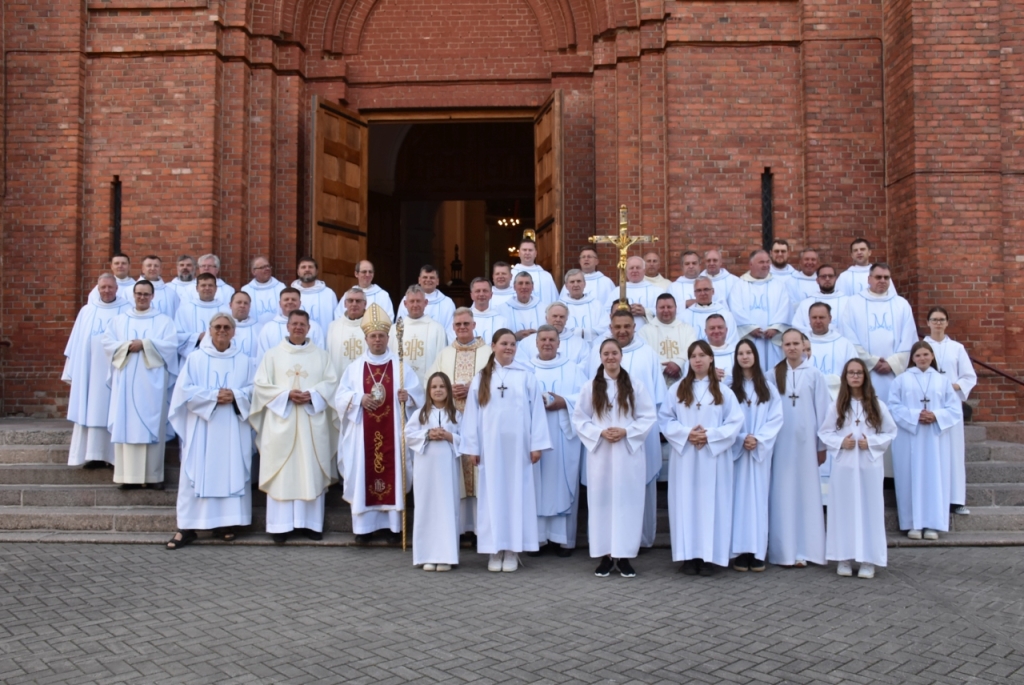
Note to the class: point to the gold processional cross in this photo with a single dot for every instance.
(623, 241)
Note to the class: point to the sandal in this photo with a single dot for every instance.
(225, 534)
(181, 539)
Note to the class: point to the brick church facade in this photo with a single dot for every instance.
(901, 121)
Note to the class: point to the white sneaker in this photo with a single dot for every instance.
(930, 534)
(443, 567)
(845, 569)
(962, 510)
(510, 563)
(866, 571)
(914, 534)
(494, 563)
(429, 567)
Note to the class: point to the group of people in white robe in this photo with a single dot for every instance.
(767, 397)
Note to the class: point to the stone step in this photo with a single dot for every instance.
(34, 454)
(123, 519)
(1011, 431)
(993, 450)
(974, 432)
(57, 474)
(84, 496)
(35, 431)
(995, 494)
(990, 519)
(980, 472)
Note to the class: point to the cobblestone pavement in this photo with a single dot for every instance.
(113, 613)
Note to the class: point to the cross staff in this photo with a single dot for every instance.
(399, 330)
(623, 241)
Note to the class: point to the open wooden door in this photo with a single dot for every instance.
(547, 143)
(339, 169)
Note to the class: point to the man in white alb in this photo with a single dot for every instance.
(718, 335)
(184, 282)
(543, 284)
(247, 326)
(828, 293)
(423, 338)
(318, 300)
(210, 264)
(682, 288)
(781, 268)
(570, 344)
(440, 307)
(855, 279)
(524, 312)
(166, 298)
(488, 318)
(276, 330)
(586, 312)
(804, 283)
(194, 314)
(721, 277)
(501, 278)
(706, 305)
(121, 267)
(86, 370)
(596, 283)
(263, 289)
(345, 337)
(365, 272)
(760, 303)
(670, 338)
(641, 295)
(652, 271)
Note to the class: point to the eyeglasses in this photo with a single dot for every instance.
(855, 374)
(143, 294)
(221, 327)
(938, 320)
(262, 268)
(459, 324)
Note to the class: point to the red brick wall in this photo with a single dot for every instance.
(898, 120)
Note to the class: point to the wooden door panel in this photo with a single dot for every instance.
(340, 169)
(547, 142)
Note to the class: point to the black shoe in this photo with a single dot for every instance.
(130, 486)
(280, 538)
(689, 567)
(94, 464)
(625, 568)
(155, 486)
(741, 563)
(604, 568)
(705, 569)
(394, 538)
(312, 534)
(756, 565)
(564, 552)
(364, 538)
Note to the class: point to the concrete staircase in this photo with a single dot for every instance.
(43, 499)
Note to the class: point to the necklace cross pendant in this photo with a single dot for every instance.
(857, 422)
(925, 401)
(698, 405)
(502, 388)
(793, 396)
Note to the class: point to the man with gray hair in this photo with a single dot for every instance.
(721, 277)
(422, 338)
(210, 264)
(760, 304)
(586, 314)
(523, 312)
(346, 341)
(85, 370)
(570, 344)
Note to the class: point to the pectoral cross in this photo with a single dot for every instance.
(623, 241)
(925, 401)
(793, 396)
(295, 374)
(502, 388)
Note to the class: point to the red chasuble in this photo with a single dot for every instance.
(379, 438)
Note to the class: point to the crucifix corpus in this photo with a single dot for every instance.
(623, 241)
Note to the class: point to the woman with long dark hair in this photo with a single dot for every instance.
(504, 430)
(700, 418)
(613, 416)
(752, 454)
(857, 430)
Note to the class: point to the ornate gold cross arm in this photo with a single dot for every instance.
(623, 241)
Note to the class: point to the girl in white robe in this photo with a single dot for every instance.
(504, 430)
(700, 418)
(925, 408)
(433, 438)
(752, 454)
(210, 413)
(857, 431)
(796, 522)
(953, 362)
(613, 416)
